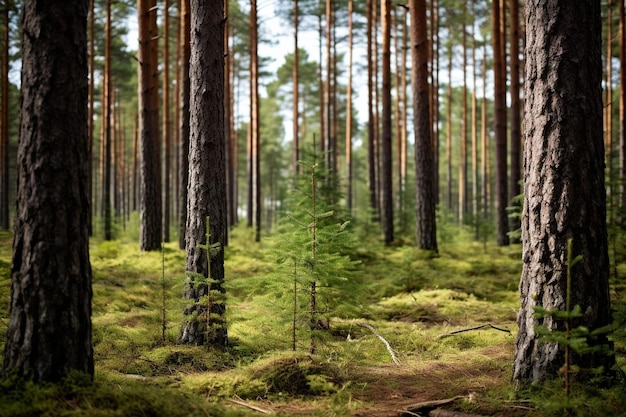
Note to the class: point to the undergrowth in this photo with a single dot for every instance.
(413, 300)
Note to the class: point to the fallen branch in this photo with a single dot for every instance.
(440, 412)
(382, 339)
(237, 400)
(474, 328)
(430, 405)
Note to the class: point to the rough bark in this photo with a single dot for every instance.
(424, 167)
(150, 209)
(563, 180)
(207, 173)
(49, 330)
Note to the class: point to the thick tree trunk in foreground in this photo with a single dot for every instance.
(424, 166)
(49, 331)
(207, 174)
(564, 180)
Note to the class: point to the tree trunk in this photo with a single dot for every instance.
(386, 160)
(255, 128)
(328, 122)
(166, 131)
(295, 145)
(463, 137)
(371, 142)
(621, 173)
(183, 153)
(434, 110)
(564, 195)
(4, 124)
(608, 106)
(449, 132)
(106, 129)
(474, 129)
(402, 151)
(349, 203)
(500, 127)
(485, 177)
(424, 167)
(49, 329)
(207, 176)
(516, 124)
(150, 209)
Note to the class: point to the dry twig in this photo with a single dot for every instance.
(237, 400)
(474, 328)
(382, 339)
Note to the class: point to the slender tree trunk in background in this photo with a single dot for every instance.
(255, 130)
(335, 109)
(435, 95)
(349, 203)
(49, 328)
(295, 80)
(207, 176)
(91, 114)
(371, 142)
(107, 128)
(484, 144)
(176, 129)
(516, 123)
(228, 135)
(150, 208)
(474, 128)
(183, 154)
(500, 127)
(424, 169)
(4, 122)
(135, 173)
(402, 160)
(622, 100)
(320, 82)
(233, 139)
(397, 110)
(376, 103)
(463, 147)
(166, 130)
(564, 194)
(608, 105)
(327, 144)
(449, 132)
(386, 159)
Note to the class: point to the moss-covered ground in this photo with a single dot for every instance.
(410, 299)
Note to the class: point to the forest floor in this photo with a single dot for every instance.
(407, 330)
